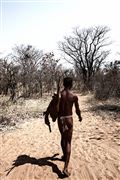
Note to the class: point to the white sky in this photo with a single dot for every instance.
(42, 23)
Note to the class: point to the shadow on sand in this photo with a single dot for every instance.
(46, 161)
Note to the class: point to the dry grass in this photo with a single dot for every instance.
(109, 109)
(23, 110)
(12, 114)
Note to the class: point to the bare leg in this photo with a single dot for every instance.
(63, 145)
(68, 152)
(68, 137)
(63, 141)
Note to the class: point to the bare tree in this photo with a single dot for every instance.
(84, 49)
(3, 76)
(28, 58)
(8, 77)
(50, 70)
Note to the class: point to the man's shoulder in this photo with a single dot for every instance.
(62, 92)
(73, 96)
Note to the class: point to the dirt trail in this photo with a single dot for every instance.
(31, 152)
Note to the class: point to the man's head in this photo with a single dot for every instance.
(67, 82)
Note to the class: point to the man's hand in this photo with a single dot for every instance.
(47, 122)
(80, 118)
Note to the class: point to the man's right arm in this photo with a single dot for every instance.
(78, 112)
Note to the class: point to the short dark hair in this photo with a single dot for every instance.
(67, 82)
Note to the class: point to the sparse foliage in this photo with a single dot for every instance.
(8, 78)
(107, 81)
(28, 58)
(85, 50)
(51, 71)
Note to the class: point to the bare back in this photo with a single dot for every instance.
(66, 103)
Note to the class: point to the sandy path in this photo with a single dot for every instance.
(95, 150)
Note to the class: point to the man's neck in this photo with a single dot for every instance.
(67, 89)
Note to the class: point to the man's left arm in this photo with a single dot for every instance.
(78, 112)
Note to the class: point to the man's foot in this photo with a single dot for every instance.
(66, 173)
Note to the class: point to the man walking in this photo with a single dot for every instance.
(65, 120)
